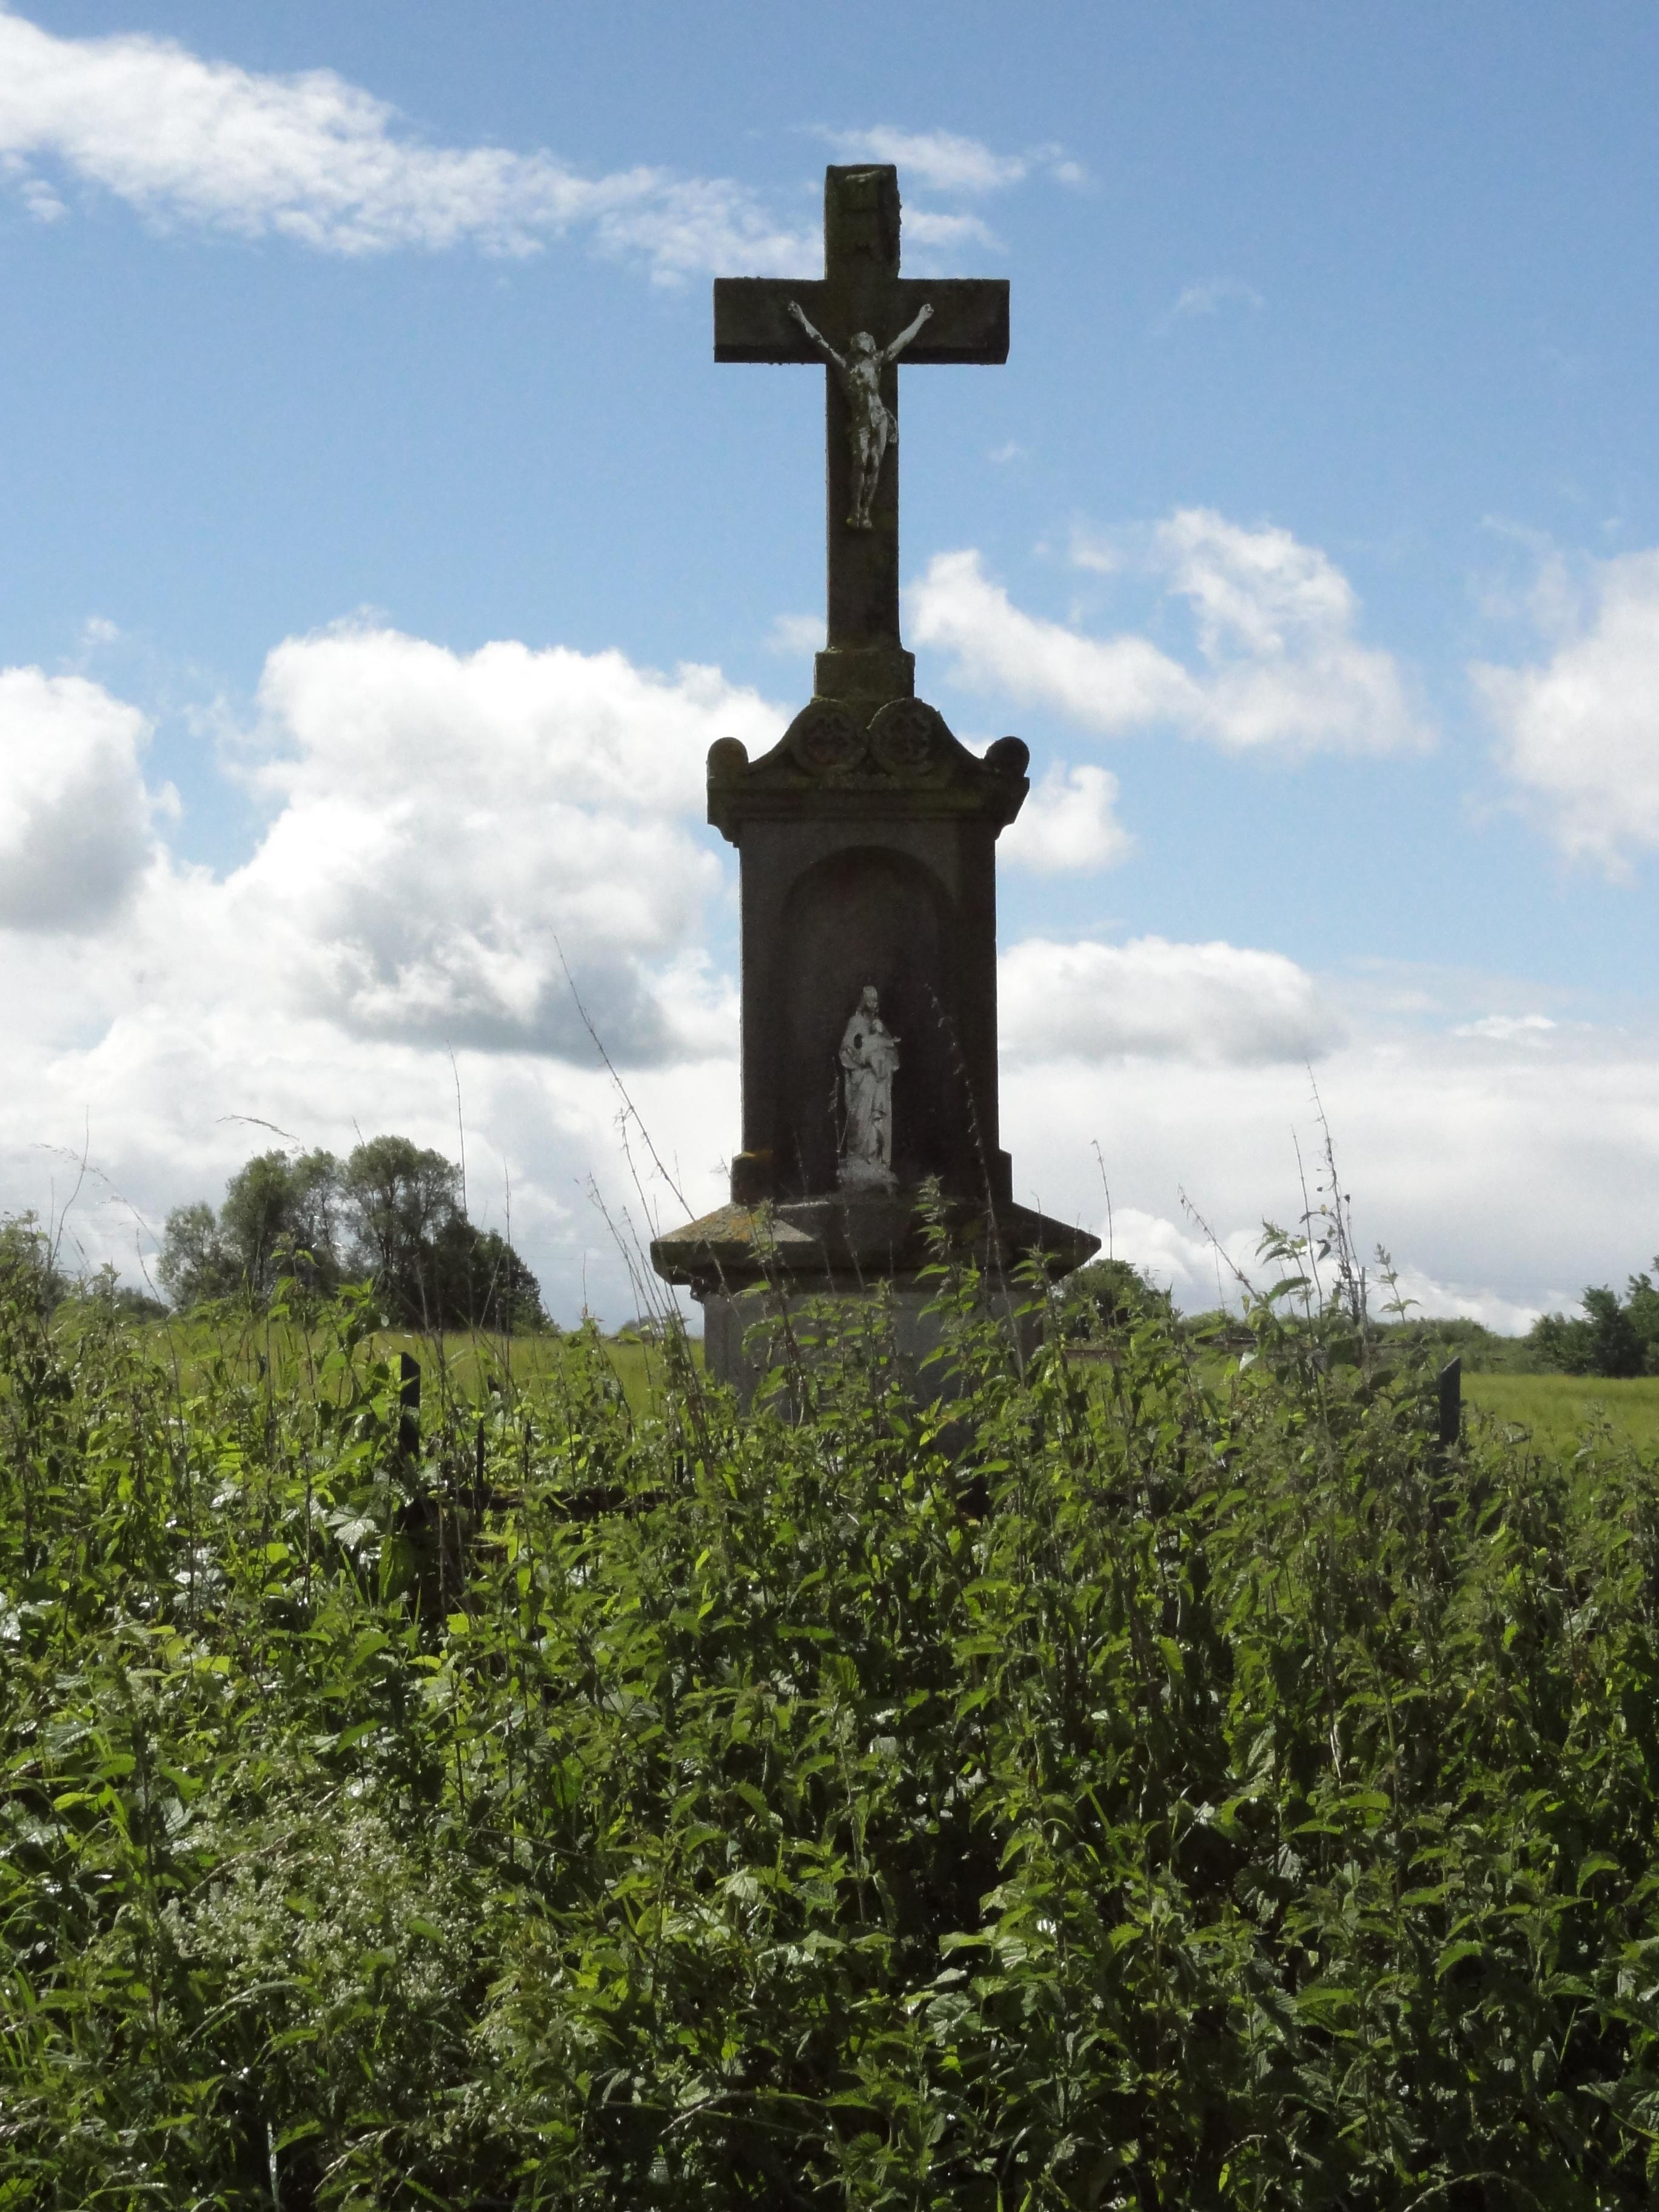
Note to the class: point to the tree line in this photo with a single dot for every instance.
(1612, 1336)
(390, 1213)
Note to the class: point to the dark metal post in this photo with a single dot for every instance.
(1451, 1391)
(408, 1392)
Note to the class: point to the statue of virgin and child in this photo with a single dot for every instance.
(869, 1059)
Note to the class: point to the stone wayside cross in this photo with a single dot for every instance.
(856, 319)
(867, 839)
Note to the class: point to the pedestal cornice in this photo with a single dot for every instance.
(845, 758)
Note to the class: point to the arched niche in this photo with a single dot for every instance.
(868, 914)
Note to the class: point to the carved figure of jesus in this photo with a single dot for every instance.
(869, 1059)
(872, 423)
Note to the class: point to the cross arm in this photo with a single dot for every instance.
(752, 321)
(969, 321)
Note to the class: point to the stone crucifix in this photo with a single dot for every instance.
(857, 319)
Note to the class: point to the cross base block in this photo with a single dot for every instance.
(863, 671)
(748, 1264)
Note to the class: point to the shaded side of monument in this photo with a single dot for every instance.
(867, 839)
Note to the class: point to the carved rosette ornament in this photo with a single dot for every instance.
(825, 740)
(908, 738)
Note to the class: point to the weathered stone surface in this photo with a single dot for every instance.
(734, 1353)
(752, 1264)
(869, 858)
(834, 763)
(848, 1239)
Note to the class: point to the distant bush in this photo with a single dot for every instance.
(390, 1213)
(31, 1274)
(1483, 1351)
(1143, 1788)
(30, 1277)
(1106, 1297)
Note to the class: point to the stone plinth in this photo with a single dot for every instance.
(746, 1264)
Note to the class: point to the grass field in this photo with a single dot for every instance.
(1558, 1409)
(461, 1365)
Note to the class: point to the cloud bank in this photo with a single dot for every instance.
(318, 160)
(457, 846)
(311, 157)
(452, 840)
(456, 832)
(1277, 665)
(1202, 1003)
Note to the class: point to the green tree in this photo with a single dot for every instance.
(196, 1264)
(1610, 1338)
(478, 1281)
(1106, 1296)
(280, 1218)
(398, 1202)
(391, 1212)
(1642, 1304)
(29, 1271)
(1615, 1349)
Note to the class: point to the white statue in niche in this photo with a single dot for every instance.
(869, 1059)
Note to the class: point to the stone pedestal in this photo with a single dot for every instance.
(734, 1354)
(868, 841)
(747, 1265)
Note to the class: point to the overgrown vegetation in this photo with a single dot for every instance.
(1611, 1337)
(1148, 1790)
(391, 1214)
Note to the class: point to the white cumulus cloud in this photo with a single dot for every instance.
(1277, 666)
(454, 828)
(318, 160)
(446, 832)
(1069, 822)
(1508, 1029)
(946, 162)
(1180, 1258)
(1208, 1004)
(75, 814)
(1578, 733)
(1104, 683)
(938, 235)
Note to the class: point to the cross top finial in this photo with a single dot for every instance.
(861, 218)
(857, 319)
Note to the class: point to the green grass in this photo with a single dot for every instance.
(462, 1367)
(1558, 1410)
(1555, 1410)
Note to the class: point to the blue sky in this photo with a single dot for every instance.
(382, 548)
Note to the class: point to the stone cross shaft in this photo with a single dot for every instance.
(962, 319)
